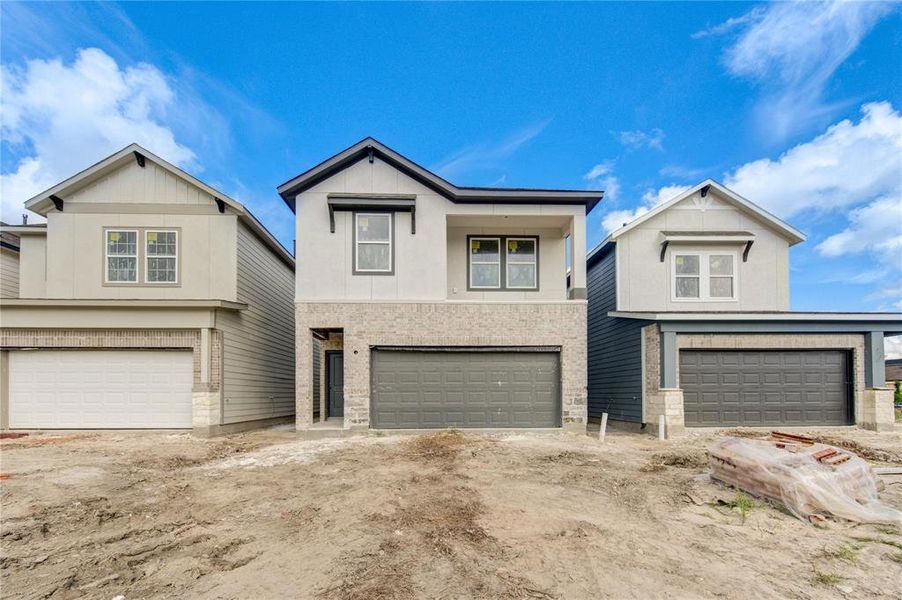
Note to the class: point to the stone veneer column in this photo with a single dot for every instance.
(876, 410)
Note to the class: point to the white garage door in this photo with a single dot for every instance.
(79, 389)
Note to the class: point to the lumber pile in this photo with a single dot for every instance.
(809, 479)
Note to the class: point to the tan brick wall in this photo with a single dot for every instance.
(441, 324)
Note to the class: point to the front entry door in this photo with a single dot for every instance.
(336, 377)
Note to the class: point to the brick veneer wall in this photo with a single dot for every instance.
(441, 324)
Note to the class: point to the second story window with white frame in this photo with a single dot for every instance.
(161, 263)
(373, 243)
(704, 276)
(121, 246)
(485, 263)
(521, 263)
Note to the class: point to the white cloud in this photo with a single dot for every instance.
(662, 195)
(892, 346)
(599, 170)
(618, 218)
(636, 140)
(875, 227)
(104, 108)
(792, 49)
(849, 164)
(488, 154)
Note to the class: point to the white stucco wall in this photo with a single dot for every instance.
(644, 282)
(427, 264)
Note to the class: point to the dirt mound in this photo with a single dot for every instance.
(865, 452)
(689, 459)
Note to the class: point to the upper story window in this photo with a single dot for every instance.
(121, 256)
(704, 276)
(503, 263)
(161, 256)
(141, 256)
(373, 240)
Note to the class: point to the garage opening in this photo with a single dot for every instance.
(766, 387)
(100, 389)
(423, 388)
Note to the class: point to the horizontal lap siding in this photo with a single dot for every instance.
(614, 348)
(9, 273)
(258, 349)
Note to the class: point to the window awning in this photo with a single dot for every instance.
(375, 202)
(708, 237)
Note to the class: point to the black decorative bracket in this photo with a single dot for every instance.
(57, 202)
(220, 204)
(664, 249)
(705, 189)
(139, 158)
(745, 253)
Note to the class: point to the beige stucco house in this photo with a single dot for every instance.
(422, 304)
(689, 319)
(147, 300)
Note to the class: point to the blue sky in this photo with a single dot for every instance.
(796, 106)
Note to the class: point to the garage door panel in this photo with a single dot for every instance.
(100, 389)
(478, 389)
(805, 387)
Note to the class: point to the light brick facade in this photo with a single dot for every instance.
(873, 407)
(561, 324)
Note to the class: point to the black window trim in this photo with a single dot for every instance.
(502, 250)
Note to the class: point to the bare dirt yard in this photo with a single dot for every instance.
(449, 515)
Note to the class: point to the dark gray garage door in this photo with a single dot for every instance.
(433, 388)
(806, 387)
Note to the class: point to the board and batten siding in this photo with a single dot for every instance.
(9, 273)
(258, 343)
(614, 347)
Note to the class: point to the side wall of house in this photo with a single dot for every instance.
(258, 352)
(9, 273)
(32, 266)
(614, 348)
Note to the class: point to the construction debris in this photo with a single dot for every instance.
(808, 478)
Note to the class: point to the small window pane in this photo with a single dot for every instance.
(484, 250)
(373, 257)
(161, 270)
(521, 251)
(121, 269)
(721, 287)
(721, 264)
(686, 265)
(687, 287)
(121, 243)
(373, 228)
(485, 275)
(521, 276)
(161, 243)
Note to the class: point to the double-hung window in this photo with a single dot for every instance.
(503, 263)
(521, 263)
(485, 263)
(121, 256)
(705, 276)
(373, 252)
(160, 256)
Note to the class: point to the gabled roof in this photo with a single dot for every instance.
(788, 231)
(371, 147)
(46, 200)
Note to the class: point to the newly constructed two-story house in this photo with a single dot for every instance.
(689, 319)
(148, 300)
(422, 304)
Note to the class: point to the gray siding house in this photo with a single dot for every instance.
(688, 318)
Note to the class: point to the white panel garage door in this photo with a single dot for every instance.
(75, 389)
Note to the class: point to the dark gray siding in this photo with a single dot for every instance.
(614, 346)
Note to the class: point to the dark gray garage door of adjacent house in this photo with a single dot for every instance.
(805, 387)
(419, 388)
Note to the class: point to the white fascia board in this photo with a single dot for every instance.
(753, 316)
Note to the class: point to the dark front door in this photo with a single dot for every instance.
(335, 371)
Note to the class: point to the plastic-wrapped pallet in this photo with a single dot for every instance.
(808, 479)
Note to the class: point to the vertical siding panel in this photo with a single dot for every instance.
(258, 349)
(614, 347)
